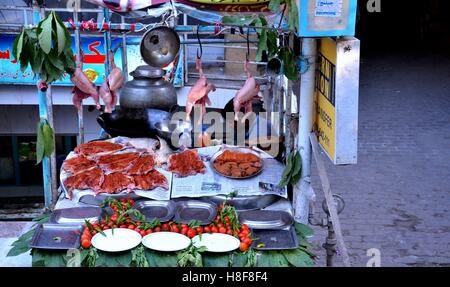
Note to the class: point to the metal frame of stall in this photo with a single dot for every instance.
(306, 141)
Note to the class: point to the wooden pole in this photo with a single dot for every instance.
(329, 199)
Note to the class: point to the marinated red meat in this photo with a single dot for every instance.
(151, 180)
(89, 179)
(142, 165)
(97, 147)
(115, 183)
(186, 163)
(117, 162)
(78, 164)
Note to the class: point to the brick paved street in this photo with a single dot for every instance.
(398, 195)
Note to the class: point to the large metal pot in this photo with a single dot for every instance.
(148, 90)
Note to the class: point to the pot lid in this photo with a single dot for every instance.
(159, 46)
(147, 71)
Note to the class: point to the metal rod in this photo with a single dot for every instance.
(51, 122)
(223, 77)
(107, 39)
(124, 54)
(231, 61)
(303, 187)
(43, 114)
(79, 60)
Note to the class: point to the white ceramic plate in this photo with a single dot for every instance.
(216, 242)
(166, 241)
(121, 239)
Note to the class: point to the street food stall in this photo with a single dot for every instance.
(174, 178)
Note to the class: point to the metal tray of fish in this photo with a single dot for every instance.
(266, 219)
(246, 202)
(56, 236)
(275, 239)
(238, 149)
(76, 215)
(164, 210)
(188, 210)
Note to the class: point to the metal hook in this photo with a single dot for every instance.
(247, 56)
(199, 43)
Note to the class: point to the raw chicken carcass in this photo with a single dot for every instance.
(108, 90)
(117, 162)
(186, 163)
(246, 94)
(97, 148)
(109, 97)
(115, 77)
(142, 165)
(89, 179)
(84, 88)
(78, 164)
(151, 180)
(199, 93)
(115, 183)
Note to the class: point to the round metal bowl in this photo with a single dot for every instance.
(240, 149)
(245, 202)
(159, 46)
(171, 131)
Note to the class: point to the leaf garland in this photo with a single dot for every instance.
(292, 171)
(45, 140)
(47, 48)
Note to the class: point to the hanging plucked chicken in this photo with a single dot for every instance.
(108, 90)
(83, 87)
(199, 92)
(126, 5)
(245, 96)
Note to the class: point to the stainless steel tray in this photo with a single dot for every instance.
(266, 219)
(164, 210)
(240, 149)
(76, 215)
(203, 211)
(275, 239)
(56, 236)
(98, 199)
(246, 202)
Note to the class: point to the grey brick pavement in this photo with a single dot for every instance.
(398, 195)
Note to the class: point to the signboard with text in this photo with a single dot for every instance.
(335, 118)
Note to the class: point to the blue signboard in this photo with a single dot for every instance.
(93, 66)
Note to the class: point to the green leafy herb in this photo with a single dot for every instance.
(191, 257)
(47, 48)
(138, 257)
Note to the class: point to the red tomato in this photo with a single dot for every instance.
(105, 227)
(123, 226)
(214, 229)
(143, 233)
(184, 225)
(86, 244)
(157, 229)
(244, 232)
(131, 202)
(184, 230)
(148, 231)
(165, 227)
(222, 229)
(229, 231)
(174, 228)
(191, 233)
(137, 230)
(94, 232)
(247, 241)
(244, 226)
(207, 229)
(131, 226)
(199, 229)
(243, 247)
(85, 237)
